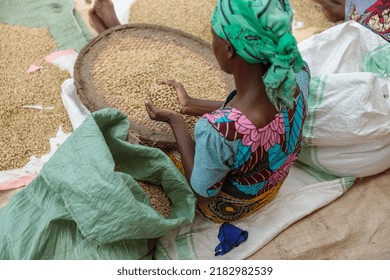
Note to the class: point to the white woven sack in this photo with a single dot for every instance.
(347, 130)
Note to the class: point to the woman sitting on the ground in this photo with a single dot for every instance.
(244, 147)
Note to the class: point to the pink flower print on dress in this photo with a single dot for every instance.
(266, 136)
(270, 134)
(282, 171)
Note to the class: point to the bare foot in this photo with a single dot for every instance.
(95, 22)
(104, 9)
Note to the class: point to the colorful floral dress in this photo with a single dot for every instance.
(373, 14)
(244, 166)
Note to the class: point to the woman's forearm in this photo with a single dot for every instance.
(185, 143)
(199, 107)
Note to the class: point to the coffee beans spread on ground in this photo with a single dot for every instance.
(25, 132)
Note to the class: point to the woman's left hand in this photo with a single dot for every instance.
(158, 114)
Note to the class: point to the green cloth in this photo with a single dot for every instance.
(59, 16)
(378, 61)
(260, 32)
(79, 208)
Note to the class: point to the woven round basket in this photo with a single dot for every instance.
(117, 67)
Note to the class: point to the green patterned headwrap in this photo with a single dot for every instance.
(260, 32)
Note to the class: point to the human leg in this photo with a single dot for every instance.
(334, 9)
(104, 10)
(95, 22)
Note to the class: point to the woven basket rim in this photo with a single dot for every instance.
(109, 31)
(146, 135)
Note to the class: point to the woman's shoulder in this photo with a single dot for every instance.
(303, 78)
(232, 124)
(305, 71)
(220, 122)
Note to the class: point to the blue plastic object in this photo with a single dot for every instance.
(230, 237)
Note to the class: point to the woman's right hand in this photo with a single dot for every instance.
(192, 106)
(182, 95)
(161, 114)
